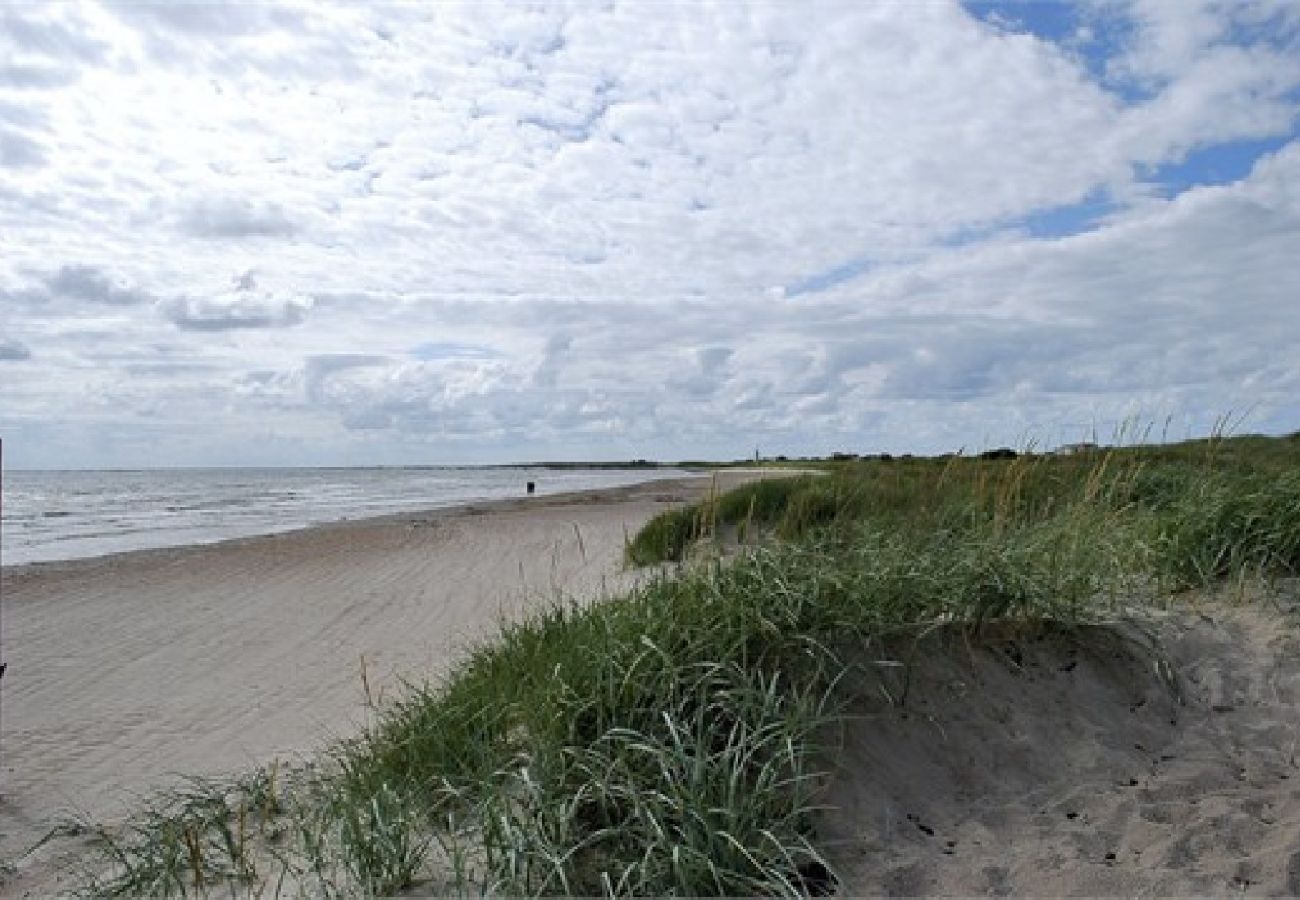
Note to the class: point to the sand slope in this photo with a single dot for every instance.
(1043, 766)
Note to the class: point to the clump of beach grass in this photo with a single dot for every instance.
(183, 842)
(747, 510)
(666, 741)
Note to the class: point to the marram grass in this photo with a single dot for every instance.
(666, 742)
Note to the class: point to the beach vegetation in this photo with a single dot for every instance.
(673, 740)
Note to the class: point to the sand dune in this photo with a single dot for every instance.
(1045, 767)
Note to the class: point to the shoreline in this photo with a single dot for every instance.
(687, 475)
(20, 572)
(130, 670)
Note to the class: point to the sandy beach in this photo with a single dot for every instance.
(127, 671)
(1154, 759)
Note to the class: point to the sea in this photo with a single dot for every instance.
(60, 515)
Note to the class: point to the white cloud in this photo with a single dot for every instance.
(319, 368)
(89, 283)
(13, 351)
(235, 218)
(18, 151)
(634, 229)
(243, 307)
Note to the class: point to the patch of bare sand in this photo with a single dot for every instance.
(1046, 765)
(129, 670)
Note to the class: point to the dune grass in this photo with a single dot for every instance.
(665, 742)
(758, 505)
(1206, 508)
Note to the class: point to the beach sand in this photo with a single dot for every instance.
(130, 670)
(1026, 763)
(1038, 765)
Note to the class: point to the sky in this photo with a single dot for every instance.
(354, 234)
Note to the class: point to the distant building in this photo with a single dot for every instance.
(1071, 449)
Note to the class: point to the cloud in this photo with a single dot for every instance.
(646, 229)
(230, 20)
(33, 76)
(224, 315)
(548, 369)
(1169, 39)
(92, 284)
(236, 218)
(308, 41)
(13, 351)
(23, 115)
(318, 369)
(18, 151)
(1007, 341)
(73, 289)
(712, 359)
(244, 307)
(51, 32)
(707, 374)
(432, 350)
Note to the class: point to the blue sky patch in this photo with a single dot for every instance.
(1094, 37)
(1272, 30)
(1046, 224)
(1067, 220)
(1217, 164)
(1050, 21)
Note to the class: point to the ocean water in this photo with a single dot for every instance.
(71, 515)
